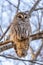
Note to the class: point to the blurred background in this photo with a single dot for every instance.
(8, 9)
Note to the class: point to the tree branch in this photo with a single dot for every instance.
(38, 9)
(11, 4)
(18, 6)
(5, 32)
(33, 8)
(32, 37)
(5, 47)
(5, 42)
(15, 58)
(37, 36)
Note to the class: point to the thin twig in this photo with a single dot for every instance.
(38, 52)
(15, 58)
(12, 4)
(18, 6)
(34, 7)
(1, 29)
(5, 32)
(38, 9)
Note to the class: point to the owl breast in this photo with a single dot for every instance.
(22, 30)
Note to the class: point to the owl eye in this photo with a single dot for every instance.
(25, 16)
(19, 16)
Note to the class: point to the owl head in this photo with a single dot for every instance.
(21, 17)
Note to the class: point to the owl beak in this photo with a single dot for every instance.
(23, 19)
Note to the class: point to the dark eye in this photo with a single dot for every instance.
(25, 16)
(19, 16)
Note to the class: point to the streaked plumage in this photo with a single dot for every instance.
(20, 32)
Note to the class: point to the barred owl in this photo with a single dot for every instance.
(19, 33)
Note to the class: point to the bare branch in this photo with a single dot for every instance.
(5, 42)
(38, 9)
(18, 5)
(5, 32)
(33, 8)
(37, 36)
(38, 52)
(15, 58)
(32, 37)
(6, 47)
(12, 4)
(1, 29)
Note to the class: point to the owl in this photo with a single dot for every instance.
(19, 33)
